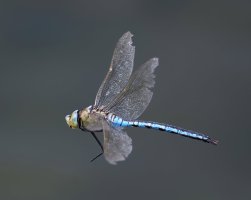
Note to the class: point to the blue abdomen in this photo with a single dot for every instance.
(117, 121)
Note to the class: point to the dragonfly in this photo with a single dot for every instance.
(122, 97)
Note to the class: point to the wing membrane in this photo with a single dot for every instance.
(117, 144)
(119, 72)
(136, 96)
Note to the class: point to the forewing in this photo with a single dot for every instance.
(136, 96)
(117, 144)
(119, 72)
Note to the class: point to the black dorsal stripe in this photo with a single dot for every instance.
(121, 122)
(135, 124)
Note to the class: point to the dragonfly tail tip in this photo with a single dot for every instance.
(212, 141)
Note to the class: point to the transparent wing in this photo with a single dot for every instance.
(117, 144)
(119, 72)
(136, 96)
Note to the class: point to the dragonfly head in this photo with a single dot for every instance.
(72, 120)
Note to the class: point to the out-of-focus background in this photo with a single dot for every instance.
(53, 58)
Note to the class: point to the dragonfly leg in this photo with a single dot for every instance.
(100, 144)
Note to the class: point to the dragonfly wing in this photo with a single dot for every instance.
(119, 72)
(136, 96)
(117, 144)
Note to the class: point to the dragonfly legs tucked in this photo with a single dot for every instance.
(100, 144)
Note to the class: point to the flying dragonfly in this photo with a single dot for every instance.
(121, 99)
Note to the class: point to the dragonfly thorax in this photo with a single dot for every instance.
(90, 119)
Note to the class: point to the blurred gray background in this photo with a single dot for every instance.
(53, 58)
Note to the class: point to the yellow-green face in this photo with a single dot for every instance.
(72, 120)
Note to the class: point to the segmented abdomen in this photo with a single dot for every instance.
(118, 121)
